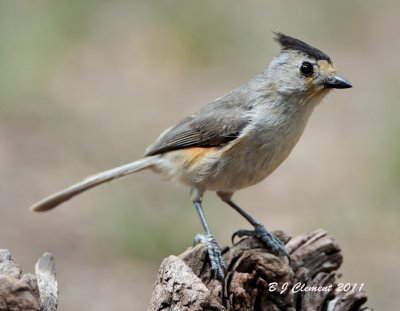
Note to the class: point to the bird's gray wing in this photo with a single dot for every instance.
(216, 124)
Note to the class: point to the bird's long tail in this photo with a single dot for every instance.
(59, 197)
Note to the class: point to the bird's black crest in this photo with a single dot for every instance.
(289, 43)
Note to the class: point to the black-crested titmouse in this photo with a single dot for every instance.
(237, 140)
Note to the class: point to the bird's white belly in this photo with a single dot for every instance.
(245, 161)
(244, 164)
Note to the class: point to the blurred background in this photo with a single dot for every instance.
(88, 85)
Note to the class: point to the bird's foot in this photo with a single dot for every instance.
(214, 253)
(268, 238)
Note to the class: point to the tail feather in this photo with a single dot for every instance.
(57, 198)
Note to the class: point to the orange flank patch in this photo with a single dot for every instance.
(193, 155)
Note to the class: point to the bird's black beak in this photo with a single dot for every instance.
(337, 82)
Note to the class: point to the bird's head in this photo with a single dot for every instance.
(301, 69)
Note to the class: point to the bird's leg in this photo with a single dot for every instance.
(214, 252)
(259, 231)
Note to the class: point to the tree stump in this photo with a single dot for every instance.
(28, 292)
(258, 280)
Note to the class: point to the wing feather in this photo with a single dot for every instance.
(216, 124)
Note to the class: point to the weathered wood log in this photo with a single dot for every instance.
(258, 280)
(28, 292)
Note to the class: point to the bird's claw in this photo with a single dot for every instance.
(214, 253)
(268, 238)
(198, 239)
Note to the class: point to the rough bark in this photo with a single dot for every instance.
(28, 292)
(258, 280)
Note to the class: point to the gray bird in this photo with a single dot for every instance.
(237, 140)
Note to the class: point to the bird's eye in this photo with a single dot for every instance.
(306, 69)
